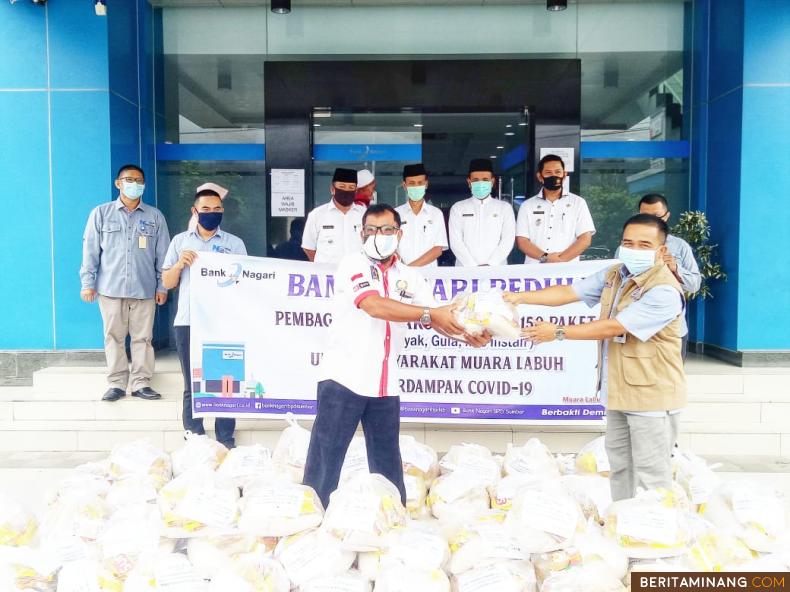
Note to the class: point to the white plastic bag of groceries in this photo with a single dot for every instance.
(487, 311)
(457, 496)
(279, 507)
(251, 572)
(545, 518)
(82, 516)
(212, 553)
(593, 492)
(483, 540)
(246, 463)
(505, 576)
(416, 496)
(419, 460)
(356, 460)
(755, 513)
(401, 578)
(23, 569)
(474, 460)
(18, 525)
(351, 581)
(652, 525)
(130, 490)
(141, 458)
(589, 578)
(290, 454)
(312, 554)
(533, 459)
(198, 451)
(419, 545)
(363, 510)
(592, 458)
(198, 501)
(696, 476)
(130, 533)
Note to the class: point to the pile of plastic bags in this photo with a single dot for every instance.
(206, 519)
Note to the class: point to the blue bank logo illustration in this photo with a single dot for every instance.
(233, 277)
(224, 373)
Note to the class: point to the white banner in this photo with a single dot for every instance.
(259, 327)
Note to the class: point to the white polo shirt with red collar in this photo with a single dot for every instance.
(362, 352)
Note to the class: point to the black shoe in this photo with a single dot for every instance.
(147, 393)
(113, 394)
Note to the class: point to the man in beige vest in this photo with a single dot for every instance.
(641, 378)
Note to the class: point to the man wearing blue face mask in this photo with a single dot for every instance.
(424, 233)
(182, 253)
(641, 379)
(482, 228)
(123, 249)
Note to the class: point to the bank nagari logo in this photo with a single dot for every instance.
(232, 279)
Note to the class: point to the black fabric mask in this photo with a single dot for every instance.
(344, 198)
(209, 220)
(552, 183)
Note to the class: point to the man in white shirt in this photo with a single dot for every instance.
(554, 225)
(333, 229)
(424, 234)
(482, 229)
(375, 296)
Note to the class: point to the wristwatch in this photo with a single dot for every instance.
(544, 258)
(559, 333)
(425, 319)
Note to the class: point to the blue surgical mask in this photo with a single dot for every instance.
(132, 190)
(416, 192)
(637, 260)
(209, 220)
(481, 189)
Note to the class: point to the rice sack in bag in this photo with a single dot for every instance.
(592, 492)
(505, 576)
(481, 541)
(290, 454)
(545, 518)
(198, 451)
(362, 511)
(251, 572)
(351, 581)
(356, 460)
(246, 463)
(211, 554)
(312, 554)
(592, 458)
(279, 507)
(419, 460)
(504, 491)
(141, 458)
(586, 578)
(754, 513)
(402, 578)
(487, 311)
(533, 459)
(196, 501)
(23, 569)
(18, 526)
(594, 548)
(131, 489)
(79, 515)
(474, 460)
(651, 525)
(457, 497)
(418, 545)
(129, 533)
(696, 477)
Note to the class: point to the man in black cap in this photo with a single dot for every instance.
(424, 233)
(333, 229)
(482, 228)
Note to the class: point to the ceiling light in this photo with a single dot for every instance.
(492, 156)
(500, 147)
(281, 6)
(523, 123)
(510, 133)
(556, 5)
(509, 125)
(417, 124)
(316, 125)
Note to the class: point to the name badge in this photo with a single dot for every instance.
(328, 227)
(142, 241)
(538, 212)
(619, 339)
(467, 215)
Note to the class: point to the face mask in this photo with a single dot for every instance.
(637, 260)
(132, 190)
(552, 183)
(380, 247)
(482, 189)
(417, 192)
(209, 220)
(344, 198)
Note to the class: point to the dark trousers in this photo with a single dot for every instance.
(223, 427)
(339, 413)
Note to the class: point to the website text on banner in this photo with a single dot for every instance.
(259, 327)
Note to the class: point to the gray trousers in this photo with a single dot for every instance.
(639, 450)
(135, 318)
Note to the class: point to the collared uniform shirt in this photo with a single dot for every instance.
(362, 352)
(421, 232)
(190, 240)
(654, 310)
(482, 231)
(553, 226)
(331, 233)
(123, 251)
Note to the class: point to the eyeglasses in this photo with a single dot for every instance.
(369, 230)
(132, 180)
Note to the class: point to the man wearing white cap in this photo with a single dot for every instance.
(366, 188)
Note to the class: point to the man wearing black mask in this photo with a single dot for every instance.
(333, 229)
(182, 253)
(554, 225)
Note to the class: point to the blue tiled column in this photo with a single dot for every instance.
(75, 102)
(740, 173)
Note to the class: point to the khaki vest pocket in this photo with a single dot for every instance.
(639, 362)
